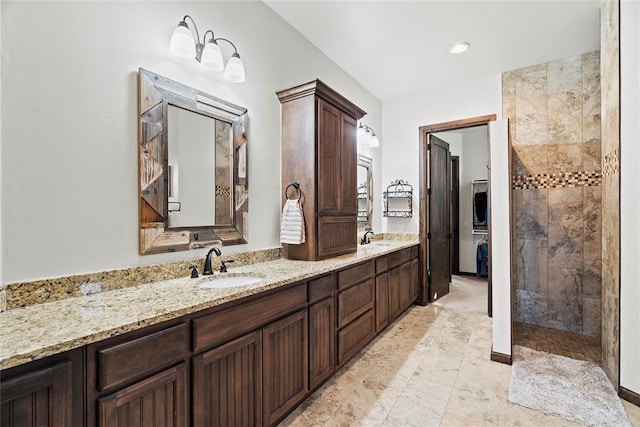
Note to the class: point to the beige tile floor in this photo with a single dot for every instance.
(429, 368)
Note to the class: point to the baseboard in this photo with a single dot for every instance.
(500, 357)
(629, 396)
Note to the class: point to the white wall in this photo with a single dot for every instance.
(629, 195)
(403, 116)
(69, 122)
(501, 269)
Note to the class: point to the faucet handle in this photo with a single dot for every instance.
(194, 271)
(223, 266)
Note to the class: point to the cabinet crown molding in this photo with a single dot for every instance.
(324, 91)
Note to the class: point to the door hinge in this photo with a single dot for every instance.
(428, 235)
(428, 191)
(429, 146)
(429, 276)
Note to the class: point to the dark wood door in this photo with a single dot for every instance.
(349, 158)
(322, 339)
(415, 281)
(455, 215)
(438, 231)
(285, 369)
(159, 401)
(227, 384)
(329, 135)
(406, 288)
(395, 283)
(382, 301)
(39, 398)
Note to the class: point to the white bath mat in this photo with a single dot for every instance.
(573, 389)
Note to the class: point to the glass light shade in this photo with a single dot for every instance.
(182, 43)
(211, 57)
(234, 71)
(374, 142)
(363, 135)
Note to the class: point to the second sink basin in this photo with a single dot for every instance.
(229, 282)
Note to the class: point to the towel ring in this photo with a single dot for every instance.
(296, 186)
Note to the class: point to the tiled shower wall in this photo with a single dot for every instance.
(554, 125)
(610, 43)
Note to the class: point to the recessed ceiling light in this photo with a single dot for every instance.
(460, 47)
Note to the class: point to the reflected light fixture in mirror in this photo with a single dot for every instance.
(185, 44)
(366, 135)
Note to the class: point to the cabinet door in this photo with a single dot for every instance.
(227, 384)
(39, 398)
(159, 401)
(415, 283)
(321, 341)
(395, 299)
(349, 158)
(329, 158)
(406, 288)
(285, 369)
(382, 301)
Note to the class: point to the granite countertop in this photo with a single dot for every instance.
(40, 330)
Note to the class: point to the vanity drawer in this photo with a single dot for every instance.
(321, 288)
(400, 257)
(118, 364)
(224, 325)
(355, 301)
(382, 264)
(355, 336)
(356, 274)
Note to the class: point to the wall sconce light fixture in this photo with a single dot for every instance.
(366, 135)
(187, 45)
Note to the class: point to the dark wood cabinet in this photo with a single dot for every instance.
(227, 384)
(356, 309)
(319, 151)
(321, 341)
(382, 301)
(159, 401)
(45, 392)
(285, 365)
(38, 398)
(403, 281)
(246, 363)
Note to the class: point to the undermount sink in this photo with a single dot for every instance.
(221, 282)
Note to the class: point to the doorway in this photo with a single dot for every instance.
(432, 255)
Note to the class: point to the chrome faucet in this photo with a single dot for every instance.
(365, 240)
(207, 262)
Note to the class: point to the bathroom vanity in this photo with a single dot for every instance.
(173, 353)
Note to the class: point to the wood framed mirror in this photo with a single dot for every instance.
(193, 180)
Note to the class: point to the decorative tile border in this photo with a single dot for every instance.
(611, 163)
(557, 180)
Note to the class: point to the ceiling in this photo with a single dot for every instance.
(394, 48)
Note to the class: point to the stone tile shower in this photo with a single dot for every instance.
(555, 130)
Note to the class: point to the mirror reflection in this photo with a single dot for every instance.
(365, 191)
(200, 153)
(192, 167)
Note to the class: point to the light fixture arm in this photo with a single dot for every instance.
(195, 27)
(228, 41)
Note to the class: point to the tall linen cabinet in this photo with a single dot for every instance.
(319, 151)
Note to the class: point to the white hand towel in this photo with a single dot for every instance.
(292, 224)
